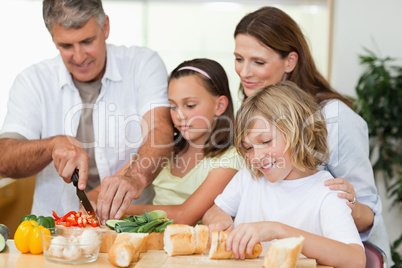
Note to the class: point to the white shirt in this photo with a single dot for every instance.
(44, 102)
(305, 203)
(349, 158)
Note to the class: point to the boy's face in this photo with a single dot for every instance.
(83, 50)
(265, 148)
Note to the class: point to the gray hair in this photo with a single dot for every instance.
(72, 14)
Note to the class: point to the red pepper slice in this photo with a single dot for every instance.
(94, 224)
(55, 216)
(65, 217)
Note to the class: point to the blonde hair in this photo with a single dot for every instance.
(296, 114)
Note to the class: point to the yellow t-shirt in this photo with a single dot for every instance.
(172, 190)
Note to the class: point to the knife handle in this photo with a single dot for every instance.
(74, 178)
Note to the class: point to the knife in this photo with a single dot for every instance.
(84, 198)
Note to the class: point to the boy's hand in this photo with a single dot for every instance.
(246, 235)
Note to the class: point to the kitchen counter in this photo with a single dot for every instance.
(11, 257)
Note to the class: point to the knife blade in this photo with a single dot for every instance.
(84, 198)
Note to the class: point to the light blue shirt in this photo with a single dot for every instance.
(349, 158)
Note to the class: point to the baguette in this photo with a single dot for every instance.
(283, 253)
(127, 248)
(218, 247)
(179, 239)
(201, 233)
(121, 254)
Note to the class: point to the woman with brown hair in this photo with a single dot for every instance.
(270, 47)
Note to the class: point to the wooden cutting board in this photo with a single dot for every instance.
(159, 258)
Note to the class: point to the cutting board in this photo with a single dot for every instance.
(159, 258)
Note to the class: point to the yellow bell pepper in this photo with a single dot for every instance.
(27, 237)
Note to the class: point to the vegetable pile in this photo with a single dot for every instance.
(154, 221)
(75, 219)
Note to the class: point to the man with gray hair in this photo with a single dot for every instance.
(96, 107)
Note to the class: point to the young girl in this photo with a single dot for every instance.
(281, 134)
(204, 158)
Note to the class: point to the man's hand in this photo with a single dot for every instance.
(68, 155)
(116, 195)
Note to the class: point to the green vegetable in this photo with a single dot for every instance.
(126, 227)
(112, 222)
(145, 223)
(47, 222)
(4, 235)
(150, 226)
(156, 214)
(147, 216)
(31, 217)
(161, 228)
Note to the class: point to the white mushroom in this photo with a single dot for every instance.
(57, 246)
(71, 252)
(89, 242)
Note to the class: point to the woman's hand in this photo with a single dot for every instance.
(362, 214)
(340, 184)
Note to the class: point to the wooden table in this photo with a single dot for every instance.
(11, 257)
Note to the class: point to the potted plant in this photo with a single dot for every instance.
(379, 102)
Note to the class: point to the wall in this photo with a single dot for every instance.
(374, 25)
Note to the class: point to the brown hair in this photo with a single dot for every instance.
(217, 84)
(296, 114)
(277, 30)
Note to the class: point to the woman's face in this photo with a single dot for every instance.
(258, 66)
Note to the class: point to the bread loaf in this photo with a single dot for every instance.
(179, 239)
(201, 233)
(283, 253)
(121, 254)
(218, 247)
(127, 248)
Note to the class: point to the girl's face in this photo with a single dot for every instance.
(258, 66)
(192, 109)
(265, 148)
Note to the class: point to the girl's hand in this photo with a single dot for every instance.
(246, 235)
(221, 226)
(340, 184)
(217, 219)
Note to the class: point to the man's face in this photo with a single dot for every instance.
(83, 50)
